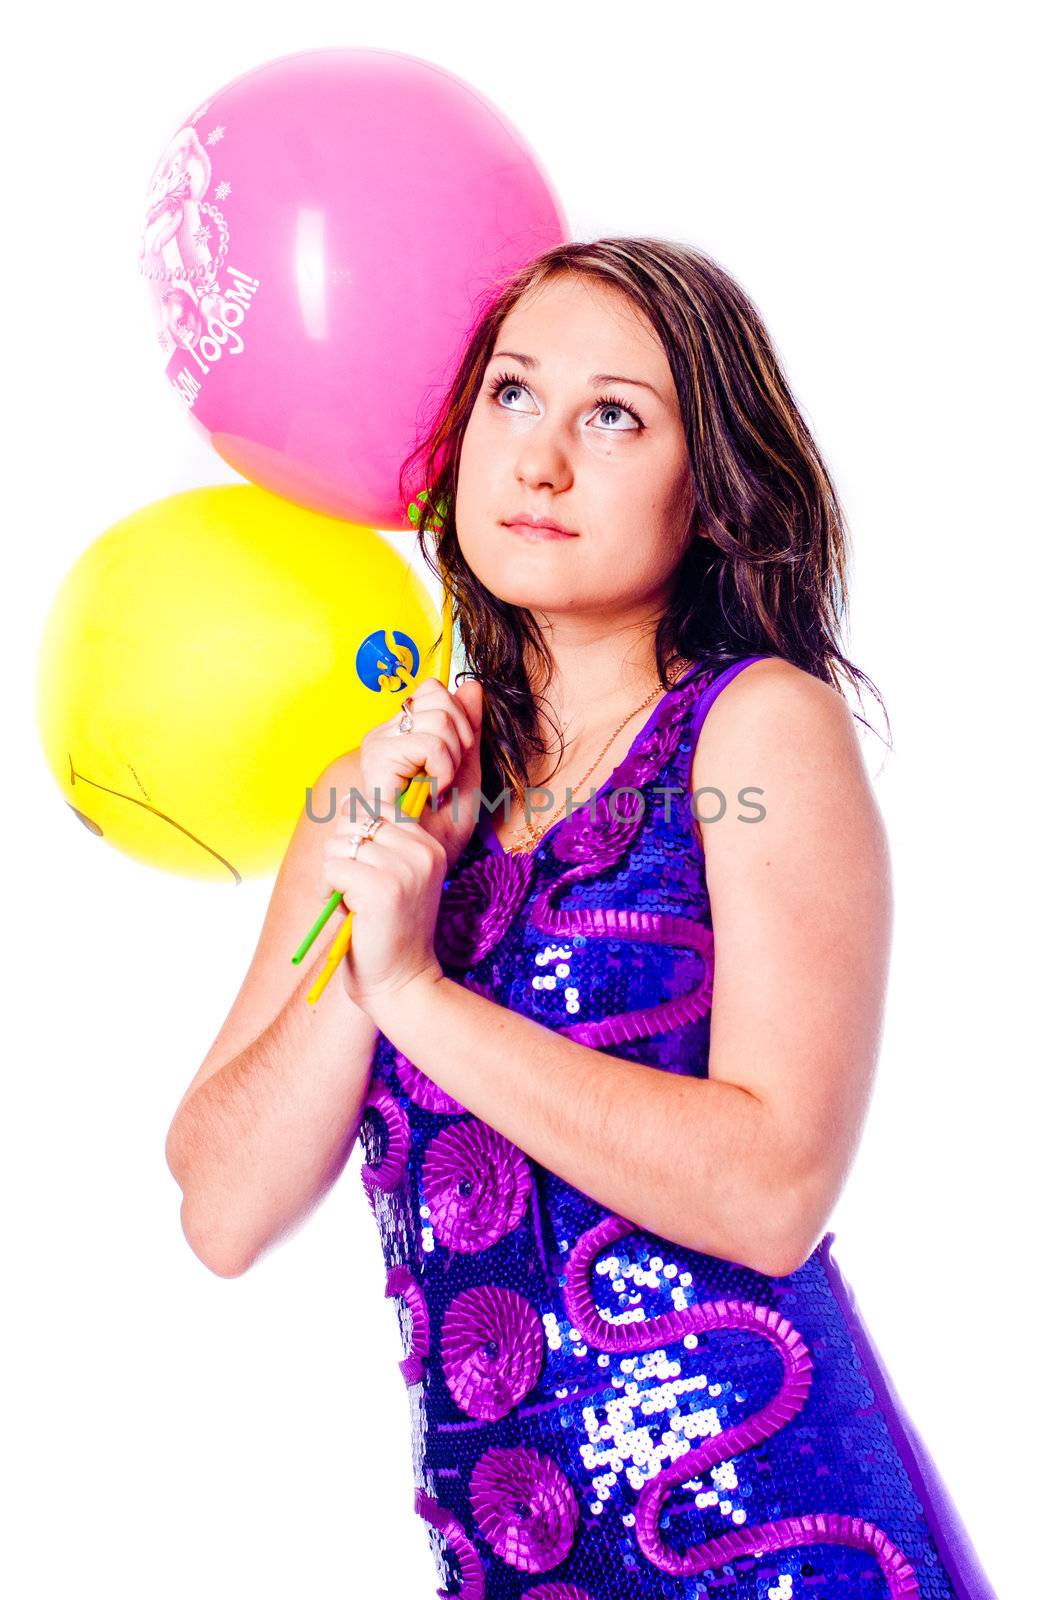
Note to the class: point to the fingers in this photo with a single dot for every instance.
(431, 695)
(441, 743)
(438, 740)
(389, 767)
(405, 842)
(470, 696)
(437, 723)
(400, 852)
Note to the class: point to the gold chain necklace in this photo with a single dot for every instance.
(533, 835)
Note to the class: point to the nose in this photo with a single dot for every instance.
(543, 462)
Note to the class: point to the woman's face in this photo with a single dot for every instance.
(604, 456)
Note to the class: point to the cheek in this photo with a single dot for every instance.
(479, 465)
(654, 547)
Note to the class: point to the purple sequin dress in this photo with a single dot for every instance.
(600, 1414)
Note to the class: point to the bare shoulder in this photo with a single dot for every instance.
(780, 746)
(775, 721)
(773, 697)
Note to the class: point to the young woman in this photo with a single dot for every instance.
(636, 1367)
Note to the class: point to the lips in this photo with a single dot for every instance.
(538, 530)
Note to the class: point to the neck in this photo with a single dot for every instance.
(593, 685)
(595, 709)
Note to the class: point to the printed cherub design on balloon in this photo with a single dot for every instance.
(178, 247)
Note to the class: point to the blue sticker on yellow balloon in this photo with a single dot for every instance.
(387, 660)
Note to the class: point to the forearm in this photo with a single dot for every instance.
(261, 1140)
(691, 1159)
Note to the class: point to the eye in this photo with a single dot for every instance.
(603, 402)
(609, 402)
(505, 380)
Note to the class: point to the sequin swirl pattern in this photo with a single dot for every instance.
(600, 1414)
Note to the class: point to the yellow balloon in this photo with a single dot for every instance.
(207, 657)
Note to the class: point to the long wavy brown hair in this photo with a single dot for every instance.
(770, 578)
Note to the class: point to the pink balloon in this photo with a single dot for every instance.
(319, 238)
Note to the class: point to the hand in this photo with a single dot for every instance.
(452, 817)
(444, 742)
(393, 887)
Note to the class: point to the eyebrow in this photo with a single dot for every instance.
(595, 379)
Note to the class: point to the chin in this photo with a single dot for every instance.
(529, 596)
(546, 592)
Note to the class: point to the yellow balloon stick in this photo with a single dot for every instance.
(413, 801)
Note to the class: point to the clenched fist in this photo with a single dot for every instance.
(394, 884)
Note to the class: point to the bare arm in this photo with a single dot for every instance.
(268, 1122)
(802, 914)
(686, 1158)
(746, 1163)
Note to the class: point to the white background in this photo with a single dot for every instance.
(877, 178)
